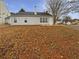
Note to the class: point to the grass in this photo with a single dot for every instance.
(39, 42)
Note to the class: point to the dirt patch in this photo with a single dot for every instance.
(39, 42)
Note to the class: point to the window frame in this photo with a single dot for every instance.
(43, 20)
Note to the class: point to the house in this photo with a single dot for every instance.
(29, 18)
(75, 22)
(67, 22)
(24, 18)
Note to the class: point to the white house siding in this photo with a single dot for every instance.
(30, 21)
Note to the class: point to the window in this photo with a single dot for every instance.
(43, 20)
(15, 20)
(25, 21)
(46, 20)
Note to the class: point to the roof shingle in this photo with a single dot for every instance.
(22, 13)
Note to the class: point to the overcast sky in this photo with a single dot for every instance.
(28, 5)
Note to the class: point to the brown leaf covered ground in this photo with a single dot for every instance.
(39, 42)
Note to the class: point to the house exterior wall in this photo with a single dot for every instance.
(30, 21)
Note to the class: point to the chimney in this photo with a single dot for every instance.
(35, 12)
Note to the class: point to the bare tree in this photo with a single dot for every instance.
(59, 8)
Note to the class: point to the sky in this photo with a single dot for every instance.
(28, 5)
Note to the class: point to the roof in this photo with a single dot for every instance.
(23, 13)
(22, 10)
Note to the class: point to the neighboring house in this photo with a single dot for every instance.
(3, 12)
(76, 22)
(29, 18)
(67, 22)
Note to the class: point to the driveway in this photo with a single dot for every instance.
(76, 27)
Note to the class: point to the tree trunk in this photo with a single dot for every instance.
(55, 18)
